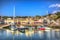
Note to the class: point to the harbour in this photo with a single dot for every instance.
(13, 31)
(6, 34)
(29, 20)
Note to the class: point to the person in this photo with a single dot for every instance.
(28, 22)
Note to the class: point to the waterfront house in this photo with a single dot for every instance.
(9, 20)
(58, 22)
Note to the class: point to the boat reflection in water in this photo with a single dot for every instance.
(6, 34)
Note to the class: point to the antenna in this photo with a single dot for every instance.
(47, 12)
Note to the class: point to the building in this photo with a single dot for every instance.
(58, 22)
(1, 20)
(9, 20)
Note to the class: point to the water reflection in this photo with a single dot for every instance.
(6, 34)
(57, 34)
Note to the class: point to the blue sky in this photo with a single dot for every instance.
(25, 7)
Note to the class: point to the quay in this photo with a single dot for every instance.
(46, 28)
(31, 24)
(5, 25)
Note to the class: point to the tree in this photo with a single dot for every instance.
(0, 17)
(37, 16)
(18, 16)
(5, 17)
(58, 15)
(54, 16)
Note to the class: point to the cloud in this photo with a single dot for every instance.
(54, 5)
(55, 11)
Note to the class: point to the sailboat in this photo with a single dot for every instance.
(13, 25)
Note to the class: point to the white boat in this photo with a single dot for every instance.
(13, 27)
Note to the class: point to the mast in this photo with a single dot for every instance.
(14, 13)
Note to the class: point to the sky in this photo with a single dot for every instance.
(28, 7)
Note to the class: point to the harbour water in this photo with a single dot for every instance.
(6, 34)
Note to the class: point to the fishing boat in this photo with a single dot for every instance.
(44, 28)
(22, 29)
(41, 28)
